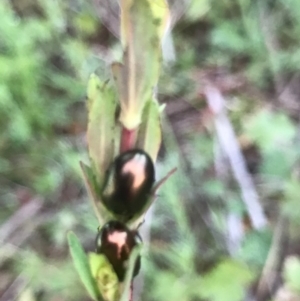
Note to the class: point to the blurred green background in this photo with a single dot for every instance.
(203, 245)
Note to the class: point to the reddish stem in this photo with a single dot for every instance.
(128, 139)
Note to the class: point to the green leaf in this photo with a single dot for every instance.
(255, 248)
(228, 37)
(105, 276)
(290, 206)
(161, 15)
(214, 188)
(101, 125)
(128, 279)
(93, 189)
(142, 23)
(82, 266)
(278, 163)
(149, 135)
(197, 10)
(226, 282)
(270, 130)
(291, 273)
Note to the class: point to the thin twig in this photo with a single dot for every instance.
(164, 179)
(14, 242)
(14, 289)
(230, 146)
(23, 215)
(234, 229)
(274, 260)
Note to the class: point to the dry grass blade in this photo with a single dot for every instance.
(24, 214)
(230, 146)
(270, 273)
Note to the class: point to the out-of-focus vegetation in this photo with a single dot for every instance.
(45, 60)
(249, 50)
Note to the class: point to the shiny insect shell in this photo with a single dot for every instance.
(128, 184)
(116, 242)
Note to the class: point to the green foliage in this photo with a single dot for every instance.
(83, 267)
(47, 52)
(128, 279)
(105, 277)
(255, 248)
(135, 81)
(97, 274)
(291, 197)
(149, 136)
(270, 130)
(43, 70)
(291, 273)
(229, 37)
(183, 287)
(94, 193)
(38, 74)
(197, 9)
(275, 134)
(142, 26)
(101, 133)
(214, 188)
(226, 282)
(58, 275)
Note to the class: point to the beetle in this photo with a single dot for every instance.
(116, 241)
(128, 183)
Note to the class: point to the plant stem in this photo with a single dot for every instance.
(128, 139)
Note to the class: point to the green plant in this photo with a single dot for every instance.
(142, 26)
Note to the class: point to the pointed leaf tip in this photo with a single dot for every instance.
(128, 279)
(101, 130)
(82, 266)
(149, 135)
